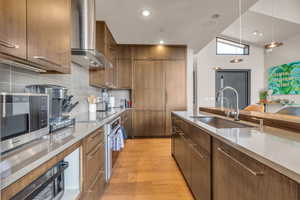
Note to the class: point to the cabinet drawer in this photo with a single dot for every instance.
(94, 164)
(200, 138)
(96, 189)
(93, 140)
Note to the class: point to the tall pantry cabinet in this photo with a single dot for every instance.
(159, 86)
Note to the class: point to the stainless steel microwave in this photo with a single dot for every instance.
(24, 117)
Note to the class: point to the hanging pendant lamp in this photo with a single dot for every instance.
(238, 60)
(274, 43)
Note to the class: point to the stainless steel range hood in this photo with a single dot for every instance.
(83, 41)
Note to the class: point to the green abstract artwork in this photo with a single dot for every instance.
(285, 79)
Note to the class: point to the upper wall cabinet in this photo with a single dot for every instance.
(48, 28)
(159, 52)
(13, 27)
(37, 33)
(106, 44)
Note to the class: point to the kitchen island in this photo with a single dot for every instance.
(236, 163)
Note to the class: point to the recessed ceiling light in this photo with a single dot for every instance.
(161, 42)
(146, 13)
(257, 33)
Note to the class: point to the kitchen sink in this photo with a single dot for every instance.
(222, 123)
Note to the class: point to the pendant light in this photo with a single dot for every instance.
(238, 60)
(273, 43)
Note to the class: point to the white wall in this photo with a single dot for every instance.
(289, 52)
(207, 60)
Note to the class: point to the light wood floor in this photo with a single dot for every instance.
(145, 170)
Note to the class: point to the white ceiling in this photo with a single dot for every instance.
(260, 18)
(174, 21)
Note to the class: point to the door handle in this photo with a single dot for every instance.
(9, 45)
(251, 171)
(197, 152)
(42, 58)
(166, 97)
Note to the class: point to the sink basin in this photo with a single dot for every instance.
(222, 123)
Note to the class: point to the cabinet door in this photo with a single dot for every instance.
(48, 33)
(159, 52)
(200, 174)
(235, 175)
(175, 93)
(278, 187)
(147, 123)
(186, 159)
(13, 27)
(124, 73)
(124, 52)
(149, 85)
(128, 124)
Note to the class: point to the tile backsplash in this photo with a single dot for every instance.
(13, 80)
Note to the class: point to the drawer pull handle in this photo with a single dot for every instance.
(42, 58)
(94, 136)
(9, 45)
(241, 164)
(95, 151)
(197, 152)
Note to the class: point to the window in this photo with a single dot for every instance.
(227, 47)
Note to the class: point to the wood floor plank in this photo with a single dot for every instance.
(145, 170)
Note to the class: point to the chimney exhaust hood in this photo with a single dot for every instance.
(83, 43)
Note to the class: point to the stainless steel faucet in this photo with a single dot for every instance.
(237, 111)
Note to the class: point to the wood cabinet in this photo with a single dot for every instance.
(124, 52)
(149, 85)
(158, 52)
(37, 33)
(93, 165)
(106, 44)
(148, 123)
(126, 118)
(237, 176)
(159, 85)
(48, 34)
(193, 158)
(124, 74)
(175, 91)
(13, 28)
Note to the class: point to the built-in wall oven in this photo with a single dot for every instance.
(49, 186)
(23, 118)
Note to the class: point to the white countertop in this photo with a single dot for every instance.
(20, 162)
(276, 148)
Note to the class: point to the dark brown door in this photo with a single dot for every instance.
(13, 27)
(48, 28)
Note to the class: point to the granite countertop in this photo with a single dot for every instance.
(276, 148)
(20, 162)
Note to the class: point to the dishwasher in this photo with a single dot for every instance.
(110, 131)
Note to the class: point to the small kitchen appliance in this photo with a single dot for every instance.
(60, 105)
(23, 117)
